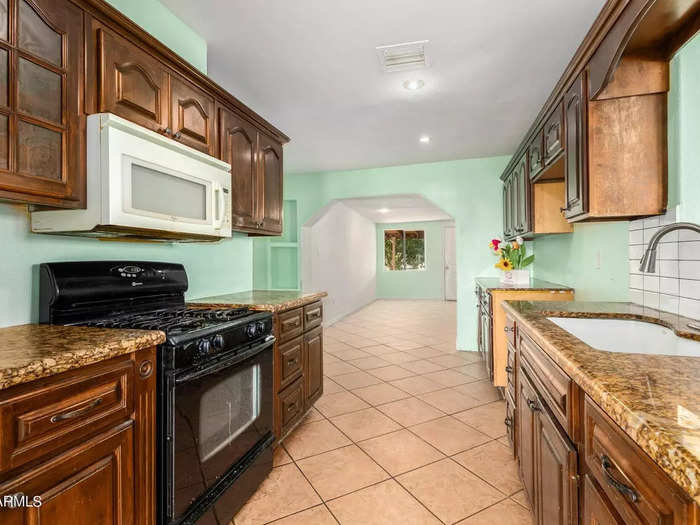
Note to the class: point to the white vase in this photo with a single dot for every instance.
(516, 277)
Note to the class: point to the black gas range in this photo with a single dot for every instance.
(214, 379)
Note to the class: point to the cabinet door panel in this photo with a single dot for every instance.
(90, 484)
(4, 19)
(553, 135)
(313, 366)
(132, 84)
(556, 488)
(191, 115)
(576, 163)
(522, 198)
(41, 161)
(270, 204)
(596, 510)
(526, 434)
(237, 146)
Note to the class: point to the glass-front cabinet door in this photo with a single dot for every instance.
(41, 154)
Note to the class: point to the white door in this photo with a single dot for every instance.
(450, 251)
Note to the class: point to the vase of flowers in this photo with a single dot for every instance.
(513, 260)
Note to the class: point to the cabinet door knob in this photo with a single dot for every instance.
(167, 131)
(509, 369)
(178, 135)
(533, 405)
(508, 329)
(564, 209)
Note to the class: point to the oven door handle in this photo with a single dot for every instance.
(226, 363)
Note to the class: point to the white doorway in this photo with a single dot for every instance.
(450, 252)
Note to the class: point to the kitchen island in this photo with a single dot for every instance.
(632, 419)
(298, 362)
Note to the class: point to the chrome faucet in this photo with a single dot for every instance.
(648, 262)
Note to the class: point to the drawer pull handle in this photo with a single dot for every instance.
(508, 329)
(623, 489)
(292, 362)
(509, 422)
(76, 413)
(533, 405)
(509, 369)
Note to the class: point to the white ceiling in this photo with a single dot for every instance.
(310, 67)
(397, 208)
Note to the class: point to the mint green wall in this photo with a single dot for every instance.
(684, 132)
(212, 268)
(276, 259)
(413, 284)
(469, 190)
(593, 260)
(160, 22)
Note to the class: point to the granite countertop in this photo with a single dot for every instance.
(268, 300)
(494, 283)
(33, 351)
(655, 399)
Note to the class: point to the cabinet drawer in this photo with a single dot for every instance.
(290, 361)
(313, 315)
(557, 388)
(509, 329)
(291, 324)
(636, 487)
(39, 419)
(291, 405)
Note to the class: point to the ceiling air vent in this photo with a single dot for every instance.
(402, 57)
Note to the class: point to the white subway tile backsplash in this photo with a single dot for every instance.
(667, 251)
(687, 235)
(651, 283)
(666, 268)
(668, 286)
(636, 251)
(689, 289)
(651, 300)
(689, 269)
(689, 250)
(636, 237)
(675, 286)
(689, 308)
(668, 303)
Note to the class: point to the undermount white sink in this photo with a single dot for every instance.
(628, 336)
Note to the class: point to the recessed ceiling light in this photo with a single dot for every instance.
(383, 210)
(413, 85)
(424, 139)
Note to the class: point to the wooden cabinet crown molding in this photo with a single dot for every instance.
(115, 20)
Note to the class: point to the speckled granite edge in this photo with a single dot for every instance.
(264, 304)
(609, 379)
(31, 352)
(494, 283)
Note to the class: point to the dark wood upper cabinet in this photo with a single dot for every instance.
(270, 203)
(554, 135)
(238, 146)
(192, 115)
(41, 126)
(131, 83)
(536, 155)
(576, 162)
(523, 197)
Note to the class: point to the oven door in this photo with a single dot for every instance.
(215, 415)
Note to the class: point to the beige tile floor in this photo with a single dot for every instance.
(408, 431)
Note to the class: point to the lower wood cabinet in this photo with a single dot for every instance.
(298, 367)
(569, 451)
(83, 442)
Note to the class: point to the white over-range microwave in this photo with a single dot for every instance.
(143, 185)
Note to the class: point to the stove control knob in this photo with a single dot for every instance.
(203, 348)
(261, 327)
(218, 342)
(251, 330)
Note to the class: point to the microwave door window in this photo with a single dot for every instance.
(158, 193)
